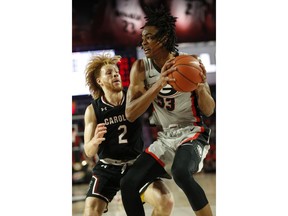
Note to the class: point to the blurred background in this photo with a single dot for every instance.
(114, 26)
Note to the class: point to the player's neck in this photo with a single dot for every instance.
(114, 99)
(161, 59)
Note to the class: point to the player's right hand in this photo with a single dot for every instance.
(166, 70)
(100, 130)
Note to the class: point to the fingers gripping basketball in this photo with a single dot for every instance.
(188, 73)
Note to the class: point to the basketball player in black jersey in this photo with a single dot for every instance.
(183, 142)
(116, 141)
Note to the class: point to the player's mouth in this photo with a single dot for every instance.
(116, 81)
(146, 51)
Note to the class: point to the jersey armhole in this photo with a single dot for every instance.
(95, 108)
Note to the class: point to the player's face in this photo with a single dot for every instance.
(110, 78)
(150, 44)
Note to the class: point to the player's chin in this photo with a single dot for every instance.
(118, 88)
(148, 54)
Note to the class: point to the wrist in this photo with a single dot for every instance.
(200, 87)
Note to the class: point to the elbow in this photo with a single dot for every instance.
(130, 113)
(208, 113)
(209, 110)
(129, 116)
(88, 155)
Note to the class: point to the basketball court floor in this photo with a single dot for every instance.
(181, 205)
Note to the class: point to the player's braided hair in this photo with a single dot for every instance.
(162, 19)
(92, 72)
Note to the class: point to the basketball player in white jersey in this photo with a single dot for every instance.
(116, 141)
(183, 142)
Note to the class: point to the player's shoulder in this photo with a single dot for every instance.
(89, 107)
(89, 112)
(139, 63)
(138, 66)
(94, 104)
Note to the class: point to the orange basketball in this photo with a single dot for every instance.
(187, 76)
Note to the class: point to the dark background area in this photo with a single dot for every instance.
(102, 24)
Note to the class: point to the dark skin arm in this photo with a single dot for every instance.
(138, 98)
(205, 101)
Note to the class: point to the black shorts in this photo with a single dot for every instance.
(105, 181)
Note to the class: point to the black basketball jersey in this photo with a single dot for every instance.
(123, 138)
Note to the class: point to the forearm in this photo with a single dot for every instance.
(91, 148)
(138, 105)
(93, 133)
(205, 101)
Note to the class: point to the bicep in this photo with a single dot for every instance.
(137, 84)
(90, 123)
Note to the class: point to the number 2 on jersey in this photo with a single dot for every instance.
(123, 130)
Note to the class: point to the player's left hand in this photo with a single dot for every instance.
(203, 74)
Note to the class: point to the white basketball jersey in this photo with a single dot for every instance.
(171, 107)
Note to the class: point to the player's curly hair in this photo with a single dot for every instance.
(92, 72)
(162, 19)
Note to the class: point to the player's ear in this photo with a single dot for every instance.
(99, 81)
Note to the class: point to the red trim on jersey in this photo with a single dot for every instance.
(155, 157)
(193, 137)
(193, 108)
